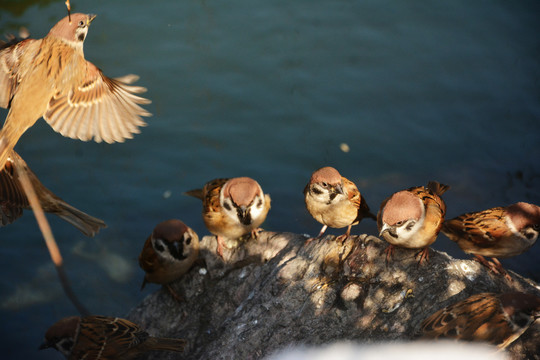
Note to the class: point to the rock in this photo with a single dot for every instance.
(274, 292)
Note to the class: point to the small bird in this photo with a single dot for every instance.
(104, 338)
(412, 218)
(50, 78)
(499, 232)
(498, 319)
(232, 208)
(335, 201)
(13, 199)
(168, 253)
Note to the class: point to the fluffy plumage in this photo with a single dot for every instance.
(335, 201)
(168, 253)
(232, 208)
(412, 218)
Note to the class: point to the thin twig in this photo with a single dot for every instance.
(68, 5)
(47, 235)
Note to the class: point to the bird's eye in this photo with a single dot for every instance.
(536, 227)
(399, 223)
(81, 23)
(324, 184)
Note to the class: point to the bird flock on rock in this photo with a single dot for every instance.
(49, 78)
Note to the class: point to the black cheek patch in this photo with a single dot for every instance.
(158, 247)
(67, 345)
(80, 37)
(176, 252)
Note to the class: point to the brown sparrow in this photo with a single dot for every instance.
(13, 199)
(232, 208)
(498, 319)
(50, 78)
(335, 201)
(168, 253)
(499, 232)
(412, 218)
(104, 338)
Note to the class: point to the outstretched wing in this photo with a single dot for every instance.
(98, 108)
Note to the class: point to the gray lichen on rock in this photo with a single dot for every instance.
(275, 291)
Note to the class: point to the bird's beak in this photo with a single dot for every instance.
(91, 18)
(391, 230)
(384, 228)
(339, 189)
(244, 215)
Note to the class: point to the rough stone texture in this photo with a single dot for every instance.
(276, 291)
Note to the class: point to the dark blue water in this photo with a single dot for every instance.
(419, 91)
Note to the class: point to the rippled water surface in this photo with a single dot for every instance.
(419, 91)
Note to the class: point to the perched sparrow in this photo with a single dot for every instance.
(335, 201)
(13, 199)
(499, 232)
(232, 208)
(50, 78)
(495, 318)
(412, 218)
(104, 338)
(168, 253)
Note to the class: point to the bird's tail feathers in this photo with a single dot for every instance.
(87, 224)
(168, 344)
(437, 188)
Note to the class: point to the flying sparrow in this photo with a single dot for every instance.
(412, 218)
(13, 199)
(104, 338)
(50, 78)
(168, 253)
(498, 319)
(499, 232)
(335, 201)
(232, 208)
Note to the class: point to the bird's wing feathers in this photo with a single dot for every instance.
(10, 75)
(380, 213)
(148, 257)
(352, 192)
(122, 333)
(12, 197)
(211, 193)
(98, 107)
(482, 228)
(435, 209)
(356, 198)
(478, 317)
